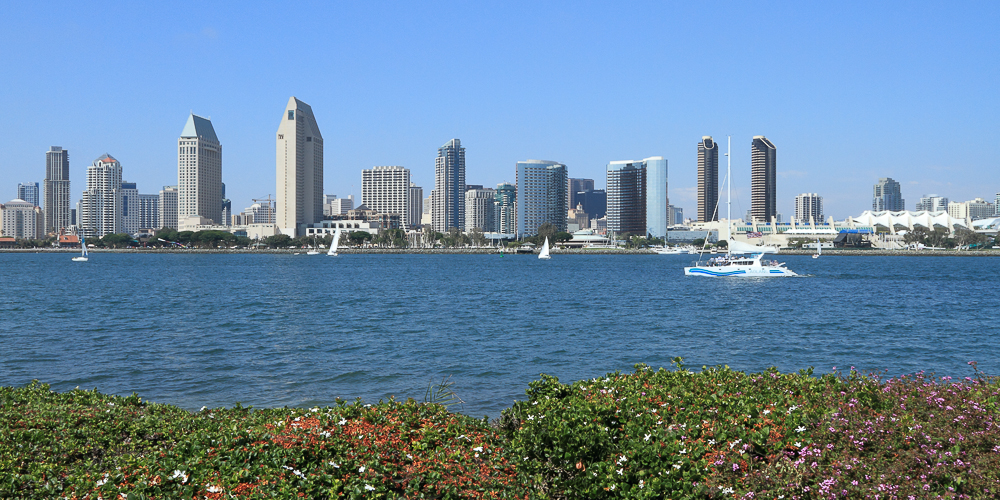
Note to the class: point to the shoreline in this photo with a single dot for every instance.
(485, 251)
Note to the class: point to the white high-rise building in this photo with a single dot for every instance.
(932, 203)
(149, 211)
(541, 195)
(416, 209)
(55, 187)
(21, 219)
(387, 191)
(130, 208)
(809, 208)
(199, 171)
(974, 209)
(168, 207)
(480, 210)
(299, 158)
(101, 203)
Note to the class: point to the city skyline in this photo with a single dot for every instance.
(915, 87)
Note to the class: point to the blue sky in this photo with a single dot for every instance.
(848, 91)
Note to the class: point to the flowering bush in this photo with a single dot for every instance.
(83, 444)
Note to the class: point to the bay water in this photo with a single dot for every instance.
(274, 330)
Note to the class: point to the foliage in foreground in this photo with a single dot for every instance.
(717, 433)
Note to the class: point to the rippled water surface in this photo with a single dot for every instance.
(274, 330)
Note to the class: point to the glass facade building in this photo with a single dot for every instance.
(541, 193)
(637, 197)
(887, 196)
(763, 179)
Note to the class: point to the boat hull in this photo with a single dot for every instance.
(738, 271)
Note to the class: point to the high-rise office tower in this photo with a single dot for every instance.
(809, 207)
(387, 191)
(480, 210)
(28, 191)
(149, 211)
(708, 179)
(763, 179)
(199, 171)
(416, 209)
(300, 169)
(55, 190)
(101, 203)
(541, 196)
(168, 207)
(575, 186)
(129, 208)
(657, 201)
(626, 181)
(504, 202)
(887, 196)
(594, 201)
(449, 187)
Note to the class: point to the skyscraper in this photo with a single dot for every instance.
(504, 208)
(199, 171)
(55, 189)
(299, 157)
(416, 209)
(809, 207)
(763, 179)
(168, 207)
(149, 211)
(575, 186)
(626, 182)
(657, 202)
(594, 201)
(708, 179)
(932, 203)
(480, 210)
(541, 196)
(888, 196)
(387, 191)
(101, 203)
(28, 191)
(449, 187)
(129, 208)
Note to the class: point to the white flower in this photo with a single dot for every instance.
(325, 434)
(369, 487)
(647, 437)
(613, 487)
(361, 469)
(478, 448)
(342, 421)
(531, 417)
(314, 410)
(800, 429)
(684, 450)
(203, 408)
(181, 475)
(102, 481)
(677, 466)
(214, 489)
(620, 472)
(766, 412)
(798, 444)
(334, 464)
(642, 484)
(711, 441)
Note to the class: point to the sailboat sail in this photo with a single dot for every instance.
(335, 243)
(544, 254)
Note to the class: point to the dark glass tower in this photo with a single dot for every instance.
(708, 179)
(763, 181)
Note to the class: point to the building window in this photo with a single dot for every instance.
(291, 114)
(281, 136)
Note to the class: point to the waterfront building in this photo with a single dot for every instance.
(101, 203)
(28, 191)
(337, 206)
(386, 190)
(809, 207)
(974, 209)
(887, 196)
(21, 219)
(149, 211)
(932, 203)
(626, 181)
(168, 207)
(480, 210)
(763, 179)
(504, 208)
(199, 171)
(299, 159)
(708, 179)
(55, 190)
(129, 208)
(416, 208)
(575, 186)
(594, 201)
(541, 193)
(448, 196)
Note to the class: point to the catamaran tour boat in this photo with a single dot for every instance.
(741, 260)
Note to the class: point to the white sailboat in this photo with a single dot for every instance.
(334, 244)
(544, 254)
(83, 255)
(819, 249)
(742, 260)
(314, 249)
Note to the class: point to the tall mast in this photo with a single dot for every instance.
(729, 179)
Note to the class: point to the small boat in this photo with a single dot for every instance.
(544, 254)
(740, 266)
(670, 250)
(83, 255)
(335, 243)
(819, 249)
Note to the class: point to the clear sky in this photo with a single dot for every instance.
(848, 91)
